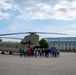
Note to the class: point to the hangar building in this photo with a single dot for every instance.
(64, 43)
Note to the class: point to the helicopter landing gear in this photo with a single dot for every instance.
(2, 52)
(10, 52)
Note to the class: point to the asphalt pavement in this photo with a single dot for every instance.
(16, 65)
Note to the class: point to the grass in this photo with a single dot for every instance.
(67, 50)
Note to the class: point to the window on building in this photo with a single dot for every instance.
(53, 44)
(59, 44)
(69, 48)
(66, 44)
(73, 44)
(69, 44)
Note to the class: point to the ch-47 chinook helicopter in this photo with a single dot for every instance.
(31, 40)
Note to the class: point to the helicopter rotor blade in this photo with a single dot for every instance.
(14, 33)
(32, 33)
(51, 33)
(11, 38)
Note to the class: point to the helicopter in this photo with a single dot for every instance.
(30, 40)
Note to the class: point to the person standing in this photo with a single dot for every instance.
(28, 52)
(53, 52)
(50, 51)
(25, 53)
(58, 52)
(21, 51)
(45, 52)
(32, 52)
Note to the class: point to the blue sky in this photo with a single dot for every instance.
(56, 16)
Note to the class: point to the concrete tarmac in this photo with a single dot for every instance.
(16, 65)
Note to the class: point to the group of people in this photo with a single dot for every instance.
(39, 52)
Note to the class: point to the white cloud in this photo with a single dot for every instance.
(4, 15)
(61, 4)
(4, 5)
(73, 5)
(71, 14)
(40, 9)
(47, 11)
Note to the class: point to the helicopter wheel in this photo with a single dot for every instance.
(2, 52)
(10, 52)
